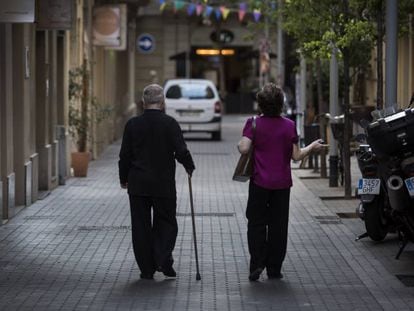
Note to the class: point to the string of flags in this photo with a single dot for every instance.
(202, 8)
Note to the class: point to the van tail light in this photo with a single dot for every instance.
(217, 107)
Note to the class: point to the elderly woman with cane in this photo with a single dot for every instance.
(275, 142)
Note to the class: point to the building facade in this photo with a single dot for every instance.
(225, 51)
(35, 60)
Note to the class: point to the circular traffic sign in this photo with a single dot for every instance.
(145, 43)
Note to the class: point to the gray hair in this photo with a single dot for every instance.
(153, 94)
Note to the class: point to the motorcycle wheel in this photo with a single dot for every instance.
(376, 229)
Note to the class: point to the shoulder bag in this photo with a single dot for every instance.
(244, 167)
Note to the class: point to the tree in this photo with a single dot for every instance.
(332, 23)
(84, 109)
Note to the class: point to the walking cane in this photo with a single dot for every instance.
(198, 276)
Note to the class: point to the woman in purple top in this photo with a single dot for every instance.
(275, 143)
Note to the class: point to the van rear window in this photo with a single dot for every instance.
(190, 91)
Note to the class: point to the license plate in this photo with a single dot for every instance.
(409, 182)
(189, 114)
(369, 186)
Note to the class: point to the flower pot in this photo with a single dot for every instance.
(80, 162)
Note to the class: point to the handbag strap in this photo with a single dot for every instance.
(254, 126)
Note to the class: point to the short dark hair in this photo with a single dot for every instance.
(270, 99)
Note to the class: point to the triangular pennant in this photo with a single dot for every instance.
(243, 7)
(179, 4)
(218, 13)
(241, 15)
(226, 14)
(199, 9)
(257, 14)
(225, 11)
(242, 10)
(208, 11)
(162, 6)
(191, 9)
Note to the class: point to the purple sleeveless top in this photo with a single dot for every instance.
(273, 143)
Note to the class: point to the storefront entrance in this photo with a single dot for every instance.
(239, 74)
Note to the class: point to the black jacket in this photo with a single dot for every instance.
(150, 145)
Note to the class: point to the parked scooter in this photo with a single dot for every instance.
(386, 188)
(374, 208)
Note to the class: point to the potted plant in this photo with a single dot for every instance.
(84, 109)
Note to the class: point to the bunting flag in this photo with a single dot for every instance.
(241, 15)
(178, 4)
(208, 11)
(225, 11)
(218, 13)
(222, 12)
(242, 11)
(191, 9)
(257, 14)
(199, 9)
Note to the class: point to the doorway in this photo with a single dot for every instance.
(239, 74)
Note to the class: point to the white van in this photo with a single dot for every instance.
(195, 104)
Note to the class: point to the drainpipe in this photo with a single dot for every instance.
(131, 68)
(391, 18)
(301, 113)
(280, 50)
(333, 109)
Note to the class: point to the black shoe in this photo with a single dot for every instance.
(147, 276)
(277, 275)
(168, 271)
(255, 274)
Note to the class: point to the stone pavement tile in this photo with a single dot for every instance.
(72, 250)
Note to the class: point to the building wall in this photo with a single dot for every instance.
(35, 144)
(6, 116)
(23, 117)
(405, 85)
(178, 33)
(149, 67)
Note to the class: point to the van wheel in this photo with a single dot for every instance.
(216, 135)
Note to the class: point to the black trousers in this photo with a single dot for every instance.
(153, 238)
(268, 216)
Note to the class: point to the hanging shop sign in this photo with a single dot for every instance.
(17, 11)
(54, 14)
(110, 26)
(145, 43)
(222, 36)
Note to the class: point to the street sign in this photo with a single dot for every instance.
(145, 43)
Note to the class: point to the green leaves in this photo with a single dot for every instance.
(319, 25)
(84, 109)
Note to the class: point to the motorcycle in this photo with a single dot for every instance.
(386, 189)
(374, 208)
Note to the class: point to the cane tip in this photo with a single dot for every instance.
(198, 277)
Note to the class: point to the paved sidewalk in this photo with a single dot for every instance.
(72, 250)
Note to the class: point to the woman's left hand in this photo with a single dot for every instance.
(318, 145)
